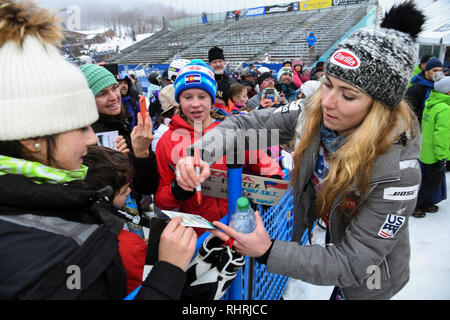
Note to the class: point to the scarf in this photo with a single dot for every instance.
(38, 172)
(331, 141)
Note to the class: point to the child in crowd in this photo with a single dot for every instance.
(195, 91)
(239, 97)
(108, 167)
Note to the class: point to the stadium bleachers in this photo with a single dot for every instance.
(282, 36)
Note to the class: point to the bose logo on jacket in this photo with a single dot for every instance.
(401, 193)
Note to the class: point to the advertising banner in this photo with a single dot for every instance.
(346, 2)
(259, 11)
(294, 6)
(315, 4)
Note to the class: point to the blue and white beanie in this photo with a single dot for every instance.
(196, 75)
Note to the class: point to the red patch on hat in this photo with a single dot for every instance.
(346, 59)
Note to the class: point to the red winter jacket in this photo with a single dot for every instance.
(211, 208)
(132, 250)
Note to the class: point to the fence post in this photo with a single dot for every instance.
(234, 187)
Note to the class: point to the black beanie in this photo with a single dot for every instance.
(264, 76)
(222, 90)
(215, 53)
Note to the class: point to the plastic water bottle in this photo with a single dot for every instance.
(243, 218)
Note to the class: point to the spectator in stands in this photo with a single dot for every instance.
(287, 86)
(169, 109)
(311, 40)
(248, 79)
(435, 146)
(299, 77)
(137, 86)
(422, 84)
(49, 221)
(420, 67)
(265, 80)
(195, 96)
(237, 14)
(367, 198)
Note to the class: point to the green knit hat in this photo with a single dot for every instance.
(97, 77)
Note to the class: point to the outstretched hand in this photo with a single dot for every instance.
(142, 136)
(253, 244)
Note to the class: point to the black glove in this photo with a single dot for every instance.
(441, 165)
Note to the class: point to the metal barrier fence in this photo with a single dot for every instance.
(253, 282)
(256, 282)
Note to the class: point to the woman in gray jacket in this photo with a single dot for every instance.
(355, 166)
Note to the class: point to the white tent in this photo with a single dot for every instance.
(437, 28)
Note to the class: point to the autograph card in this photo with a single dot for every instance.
(190, 220)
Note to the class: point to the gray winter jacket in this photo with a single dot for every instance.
(369, 252)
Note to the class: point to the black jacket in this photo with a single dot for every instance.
(48, 232)
(146, 177)
(418, 93)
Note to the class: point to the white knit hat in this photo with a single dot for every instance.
(40, 93)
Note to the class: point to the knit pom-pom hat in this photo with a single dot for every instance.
(40, 93)
(379, 60)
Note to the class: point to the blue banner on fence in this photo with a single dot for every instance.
(259, 11)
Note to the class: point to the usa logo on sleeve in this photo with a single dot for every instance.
(391, 225)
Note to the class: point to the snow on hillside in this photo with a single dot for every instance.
(122, 42)
(430, 257)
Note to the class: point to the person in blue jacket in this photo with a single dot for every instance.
(311, 42)
(422, 84)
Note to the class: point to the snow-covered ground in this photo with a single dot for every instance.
(430, 260)
(123, 43)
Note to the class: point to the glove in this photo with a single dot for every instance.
(441, 165)
(212, 270)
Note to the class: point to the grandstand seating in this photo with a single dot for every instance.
(282, 36)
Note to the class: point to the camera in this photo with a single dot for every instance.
(270, 93)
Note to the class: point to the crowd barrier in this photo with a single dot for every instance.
(254, 282)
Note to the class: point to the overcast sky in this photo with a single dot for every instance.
(191, 6)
